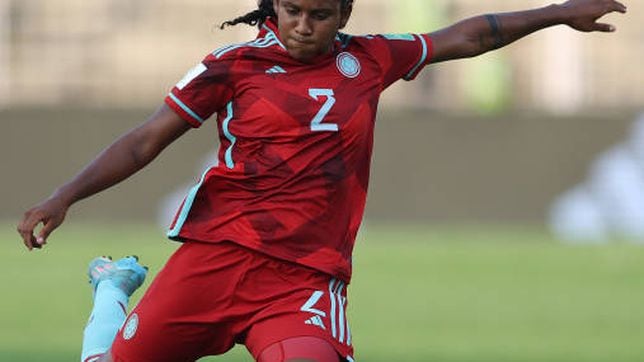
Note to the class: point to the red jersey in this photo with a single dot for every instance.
(295, 143)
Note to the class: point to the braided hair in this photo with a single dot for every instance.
(264, 11)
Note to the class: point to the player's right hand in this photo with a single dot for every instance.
(50, 213)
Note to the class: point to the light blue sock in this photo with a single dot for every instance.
(108, 315)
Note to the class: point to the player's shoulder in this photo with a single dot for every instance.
(370, 42)
(348, 41)
(370, 39)
(359, 45)
(258, 46)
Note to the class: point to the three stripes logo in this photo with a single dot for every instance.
(334, 312)
(276, 70)
(316, 321)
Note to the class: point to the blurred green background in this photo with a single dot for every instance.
(448, 294)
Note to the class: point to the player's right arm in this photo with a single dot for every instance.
(127, 155)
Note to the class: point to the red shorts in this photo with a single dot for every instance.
(210, 296)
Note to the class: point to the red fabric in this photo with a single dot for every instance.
(310, 348)
(210, 296)
(283, 186)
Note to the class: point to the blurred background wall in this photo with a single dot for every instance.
(492, 139)
(127, 53)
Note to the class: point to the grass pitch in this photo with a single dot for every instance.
(418, 294)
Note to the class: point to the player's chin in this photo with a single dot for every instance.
(304, 52)
(301, 56)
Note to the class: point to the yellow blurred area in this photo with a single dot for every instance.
(129, 53)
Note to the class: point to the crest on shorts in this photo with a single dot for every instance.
(348, 65)
(130, 327)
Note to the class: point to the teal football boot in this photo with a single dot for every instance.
(126, 273)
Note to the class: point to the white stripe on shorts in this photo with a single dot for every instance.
(332, 286)
(341, 311)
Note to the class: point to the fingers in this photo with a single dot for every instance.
(29, 223)
(26, 230)
(619, 7)
(606, 28)
(48, 227)
(614, 6)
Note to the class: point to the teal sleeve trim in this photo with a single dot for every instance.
(229, 152)
(185, 209)
(185, 108)
(405, 37)
(423, 58)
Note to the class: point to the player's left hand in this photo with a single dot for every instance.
(582, 15)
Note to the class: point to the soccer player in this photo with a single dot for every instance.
(268, 233)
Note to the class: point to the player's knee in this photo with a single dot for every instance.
(300, 349)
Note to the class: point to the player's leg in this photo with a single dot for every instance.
(303, 313)
(300, 349)
(113, 283)
(185, 313)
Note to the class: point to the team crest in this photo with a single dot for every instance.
(348, 65)
(130, 327)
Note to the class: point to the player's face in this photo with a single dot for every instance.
(308, 27)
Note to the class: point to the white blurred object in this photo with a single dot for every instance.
(617, 183)
(610, 204)
(561, 84)
(576, 218)
(636, 140)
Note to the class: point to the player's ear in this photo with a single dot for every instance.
(345, 14)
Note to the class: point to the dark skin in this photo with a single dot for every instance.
(127, 155)
(477, 35)
(307, 29)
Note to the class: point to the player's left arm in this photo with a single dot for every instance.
(480, 34)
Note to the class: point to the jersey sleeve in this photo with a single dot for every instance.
(400, 56)
(203, 91)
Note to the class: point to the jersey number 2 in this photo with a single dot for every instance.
(316, 123)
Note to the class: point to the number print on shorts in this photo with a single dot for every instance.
(308, 306)
(316, 123)
(335, 310)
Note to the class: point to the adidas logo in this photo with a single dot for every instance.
(276, 70)
(316, 321)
